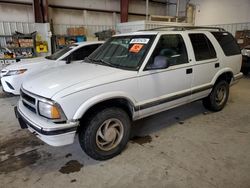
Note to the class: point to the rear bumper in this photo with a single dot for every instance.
(236, 78)
(51, 133)
(245, 63)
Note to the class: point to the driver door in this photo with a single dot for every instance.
(163, 87)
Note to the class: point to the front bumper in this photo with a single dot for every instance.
(12, 84)
(49, 132)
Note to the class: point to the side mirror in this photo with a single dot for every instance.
(160, 62)
(68, 59)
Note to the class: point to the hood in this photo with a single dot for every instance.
(27, 63)
(83, 75)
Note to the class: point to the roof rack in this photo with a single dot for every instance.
(184, 28)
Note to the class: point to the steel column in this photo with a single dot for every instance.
(124, 10)
(40, 9)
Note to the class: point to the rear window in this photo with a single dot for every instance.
(227, 43)
(203, 48)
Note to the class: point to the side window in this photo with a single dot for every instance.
(170, 50)
(227, 43)
(203, 48)
(83, 52)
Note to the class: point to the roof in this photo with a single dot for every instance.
(88, 43)
(155, 31)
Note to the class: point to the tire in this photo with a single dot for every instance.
(105, 134)
(218, 97)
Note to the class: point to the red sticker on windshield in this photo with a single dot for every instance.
(136, 48)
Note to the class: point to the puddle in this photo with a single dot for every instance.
(18, 152)
(68, 155)
(10, 146)
(71, 166)
(15, 163)
(142, 139)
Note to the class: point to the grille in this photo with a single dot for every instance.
(28, 101)
(29, 107)
(28, 98)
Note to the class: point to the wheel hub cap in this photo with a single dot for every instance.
(220, 95)
(109, 134)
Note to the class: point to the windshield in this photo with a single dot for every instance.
(126, 52)
(59, 53)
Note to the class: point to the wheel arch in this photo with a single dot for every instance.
(226, 74)
(103, 101)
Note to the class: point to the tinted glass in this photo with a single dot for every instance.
(83, 52)
(126, 52)
(227, 43)
(203, 48)
(59, 53)
(170, 49)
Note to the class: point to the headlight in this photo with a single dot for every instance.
(51, 111)
(15, 72)
(245, 52)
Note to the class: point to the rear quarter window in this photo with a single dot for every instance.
(227, 43)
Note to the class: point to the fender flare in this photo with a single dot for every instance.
(220, 72)
(86, 105)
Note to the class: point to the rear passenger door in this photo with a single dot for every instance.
(205, 64)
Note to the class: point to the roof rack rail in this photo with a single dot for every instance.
(183, 28)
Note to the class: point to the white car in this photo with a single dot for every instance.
(13, 75)
(129, 77)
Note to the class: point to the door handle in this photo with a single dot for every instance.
(216, 65)
(189, 71)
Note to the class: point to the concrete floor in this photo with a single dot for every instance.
(183, 147)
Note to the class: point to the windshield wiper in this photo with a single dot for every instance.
(100, 61)
(106, 63)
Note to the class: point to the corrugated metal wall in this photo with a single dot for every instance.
(8, 28)
(232, 28)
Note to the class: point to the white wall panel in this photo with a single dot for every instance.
(66, 16)
(16, 13)
(99, 18)
(211, 12)
(95, 4)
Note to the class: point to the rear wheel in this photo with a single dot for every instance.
(218, 97)
(106, 134)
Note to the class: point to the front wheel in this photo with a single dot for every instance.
(218, 97)
(106, 134)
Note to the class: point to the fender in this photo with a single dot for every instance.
(100, 98)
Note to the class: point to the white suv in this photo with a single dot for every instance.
(129, 77)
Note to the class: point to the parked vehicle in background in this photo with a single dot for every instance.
(131, 76)
(13, 75)
(245, 68)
